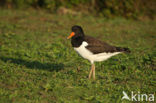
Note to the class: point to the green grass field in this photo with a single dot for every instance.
(38, 64)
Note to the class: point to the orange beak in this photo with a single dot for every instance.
(71, 35)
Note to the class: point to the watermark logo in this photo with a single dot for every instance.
(125, 96)
(138, 96)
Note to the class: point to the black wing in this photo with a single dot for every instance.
(97, 46)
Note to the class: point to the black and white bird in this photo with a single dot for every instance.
(92, 49)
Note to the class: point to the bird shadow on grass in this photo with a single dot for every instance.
(34, 64)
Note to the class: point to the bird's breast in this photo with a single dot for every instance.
(83, 51)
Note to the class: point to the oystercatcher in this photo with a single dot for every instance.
(92, 49)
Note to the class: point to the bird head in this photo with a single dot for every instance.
(77, 31)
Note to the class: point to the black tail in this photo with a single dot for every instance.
(120, 49)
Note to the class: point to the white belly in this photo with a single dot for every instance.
(85, 53)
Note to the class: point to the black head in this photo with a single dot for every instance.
(77, 36)
(77, 31)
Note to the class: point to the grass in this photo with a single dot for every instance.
(38, 64)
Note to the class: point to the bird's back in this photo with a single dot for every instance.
(97, 46)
